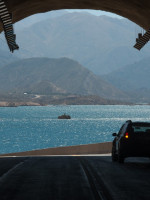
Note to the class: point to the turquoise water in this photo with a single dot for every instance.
(28, 128)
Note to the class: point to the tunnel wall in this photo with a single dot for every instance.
(137, 11)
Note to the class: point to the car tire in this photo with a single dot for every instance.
(114, 155)
(120, 157)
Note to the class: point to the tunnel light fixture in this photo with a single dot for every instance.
(142, 40)
(6, 19)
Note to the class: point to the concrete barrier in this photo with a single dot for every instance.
(98, 148)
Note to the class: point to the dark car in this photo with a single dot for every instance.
(132, 140)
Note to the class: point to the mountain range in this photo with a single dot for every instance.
(47, 76)
(133, 79)
(100, 43)
(53, 45)
(64, 76)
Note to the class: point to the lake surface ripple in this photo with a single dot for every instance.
(29, 128)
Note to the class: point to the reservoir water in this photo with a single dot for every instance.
(29, 128)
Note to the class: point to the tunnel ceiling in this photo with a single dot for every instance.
(137, 11)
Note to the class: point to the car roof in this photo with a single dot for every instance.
(138, 123)
(141, 123)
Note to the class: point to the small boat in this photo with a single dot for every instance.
(64, 116)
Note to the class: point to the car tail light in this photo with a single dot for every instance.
(126, 135)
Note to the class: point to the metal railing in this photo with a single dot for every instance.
(6, 19)
(142, 40)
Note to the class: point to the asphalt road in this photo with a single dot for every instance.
(74, 178)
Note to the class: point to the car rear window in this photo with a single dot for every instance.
(141, 128)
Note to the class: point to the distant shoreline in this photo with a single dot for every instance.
(19, 99)
(17, 104)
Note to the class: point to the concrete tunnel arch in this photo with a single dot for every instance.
(137, 11)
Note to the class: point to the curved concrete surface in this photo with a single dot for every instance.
(137, 11)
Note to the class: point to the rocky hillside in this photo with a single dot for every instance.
(54, 76)
(133, 79)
